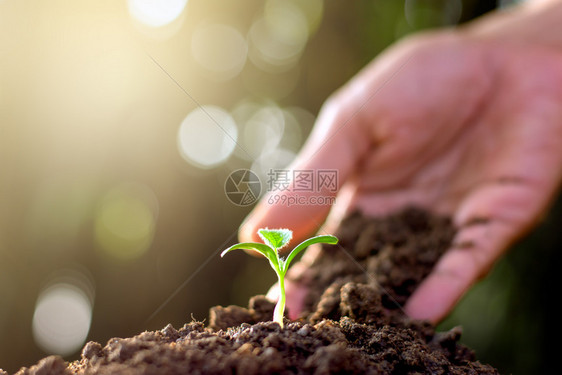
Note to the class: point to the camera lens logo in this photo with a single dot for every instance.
(242, 187)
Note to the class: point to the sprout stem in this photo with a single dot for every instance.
(280, 307)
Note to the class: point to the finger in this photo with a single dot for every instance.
(490, 220)
(457, 271)
(295, 291)
(347, 129)
(294, 301)
(331, 153)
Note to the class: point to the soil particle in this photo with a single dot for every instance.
(352, 304)
(52, 365)
(353, 321)
(393, 253)
(260, 309)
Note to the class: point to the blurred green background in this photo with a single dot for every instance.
(112, 203)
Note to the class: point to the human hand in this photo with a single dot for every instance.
(462, 126)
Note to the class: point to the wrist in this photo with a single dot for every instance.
(536, 22)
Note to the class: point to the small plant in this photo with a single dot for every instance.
(275, 239)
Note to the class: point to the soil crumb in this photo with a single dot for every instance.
(353, 322)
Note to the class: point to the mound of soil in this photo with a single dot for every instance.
(353, 322)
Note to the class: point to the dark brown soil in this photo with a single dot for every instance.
(353, 322)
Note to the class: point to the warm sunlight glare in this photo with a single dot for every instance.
(156, 13)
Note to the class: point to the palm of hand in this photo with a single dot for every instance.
(471, 130)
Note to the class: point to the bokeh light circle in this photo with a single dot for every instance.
(62, 319)
(278, 38)
(292, 133)
(276, 159)
(156, 13)
(263, 130)
(207, 136)
(125, 221)
(313, 10)
(286, 21)
(219, 49)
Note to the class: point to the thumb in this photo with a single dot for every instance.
(327, 160)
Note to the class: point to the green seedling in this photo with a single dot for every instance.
(275, 239)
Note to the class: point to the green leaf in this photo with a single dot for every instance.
(263, 249)
(276, 238)
(328, 239)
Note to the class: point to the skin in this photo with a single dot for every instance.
(465, 122)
